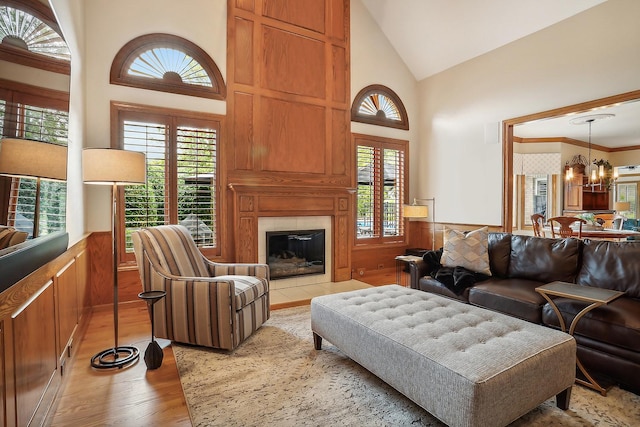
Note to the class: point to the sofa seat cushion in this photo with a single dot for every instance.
(429, 284)
(515, 297)
(616, 323)
(248, 288)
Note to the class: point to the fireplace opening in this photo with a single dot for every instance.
(295, 253)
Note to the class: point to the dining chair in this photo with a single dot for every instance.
(538, 223)
(605, 220)
(618, 222)
(563, 227)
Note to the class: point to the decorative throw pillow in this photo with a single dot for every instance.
(469, 250)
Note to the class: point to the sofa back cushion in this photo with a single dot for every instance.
(544, 260)
(611, 265)
(499, 253)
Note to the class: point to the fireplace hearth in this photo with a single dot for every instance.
(295, 253)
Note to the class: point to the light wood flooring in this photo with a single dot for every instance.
(135, 396)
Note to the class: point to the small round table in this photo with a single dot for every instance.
(153, 355)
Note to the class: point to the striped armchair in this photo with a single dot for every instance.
(208, 304)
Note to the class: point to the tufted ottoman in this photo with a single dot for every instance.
(465, 365)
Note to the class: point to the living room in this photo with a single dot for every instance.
(451, 156)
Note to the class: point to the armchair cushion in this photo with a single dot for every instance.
(248, 288)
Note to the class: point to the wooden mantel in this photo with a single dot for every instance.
(251, 202)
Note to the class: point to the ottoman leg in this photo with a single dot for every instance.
(562, 399)
(317, 341)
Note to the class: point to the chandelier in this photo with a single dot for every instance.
(596, 176)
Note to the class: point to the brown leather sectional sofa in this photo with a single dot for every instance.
(608, 337)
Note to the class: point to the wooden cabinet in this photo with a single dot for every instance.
(579, 196)
(40, 317)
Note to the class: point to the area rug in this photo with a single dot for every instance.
(276, 378)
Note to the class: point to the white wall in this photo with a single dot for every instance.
(70, 15)
(109, 25)
(591, 55)
(374, 61)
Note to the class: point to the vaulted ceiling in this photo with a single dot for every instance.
(433, 35)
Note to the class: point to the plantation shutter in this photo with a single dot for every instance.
(145, 204)
(196, 170)
(380, 191)
(181, 178)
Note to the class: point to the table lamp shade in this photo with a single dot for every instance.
(623, 206)
(33, 159)
(415, 211)
(112, 166)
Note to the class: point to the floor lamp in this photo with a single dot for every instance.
(114, 167)
(415, 210)
(22, 158)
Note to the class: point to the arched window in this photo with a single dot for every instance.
(29, 35)
(167, 63)
(379, 105)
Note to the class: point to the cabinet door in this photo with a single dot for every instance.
(573, 193)
(67, 299)
(35, 353)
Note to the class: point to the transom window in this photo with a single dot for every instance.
(381, 189)
(167, 63)
(379, 105)
(29, 35)
(182, 168)
(23, 30)
(170, 64)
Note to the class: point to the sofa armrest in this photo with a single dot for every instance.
(417, 269)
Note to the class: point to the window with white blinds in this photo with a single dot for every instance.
(45, 123)
(181, 158)
(381, 191)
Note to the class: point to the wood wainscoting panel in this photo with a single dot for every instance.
(292, 63)
(248, 5)
(342, 250)
(340, 75)
(243, 52)
(36, 363)
(340, 156)
(293, 134)
(290, 205)
(339, 19)
(247, 244)
(100, 249)
(244, 152)
(309, 14)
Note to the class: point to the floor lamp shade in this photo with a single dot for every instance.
(33, 159)
(114, 167)
(111, 166)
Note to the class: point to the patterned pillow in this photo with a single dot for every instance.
(469, 250)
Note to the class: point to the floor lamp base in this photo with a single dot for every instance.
(117, 357)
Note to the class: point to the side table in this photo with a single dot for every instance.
(402, 262)
(595, 296)
(153, 355)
